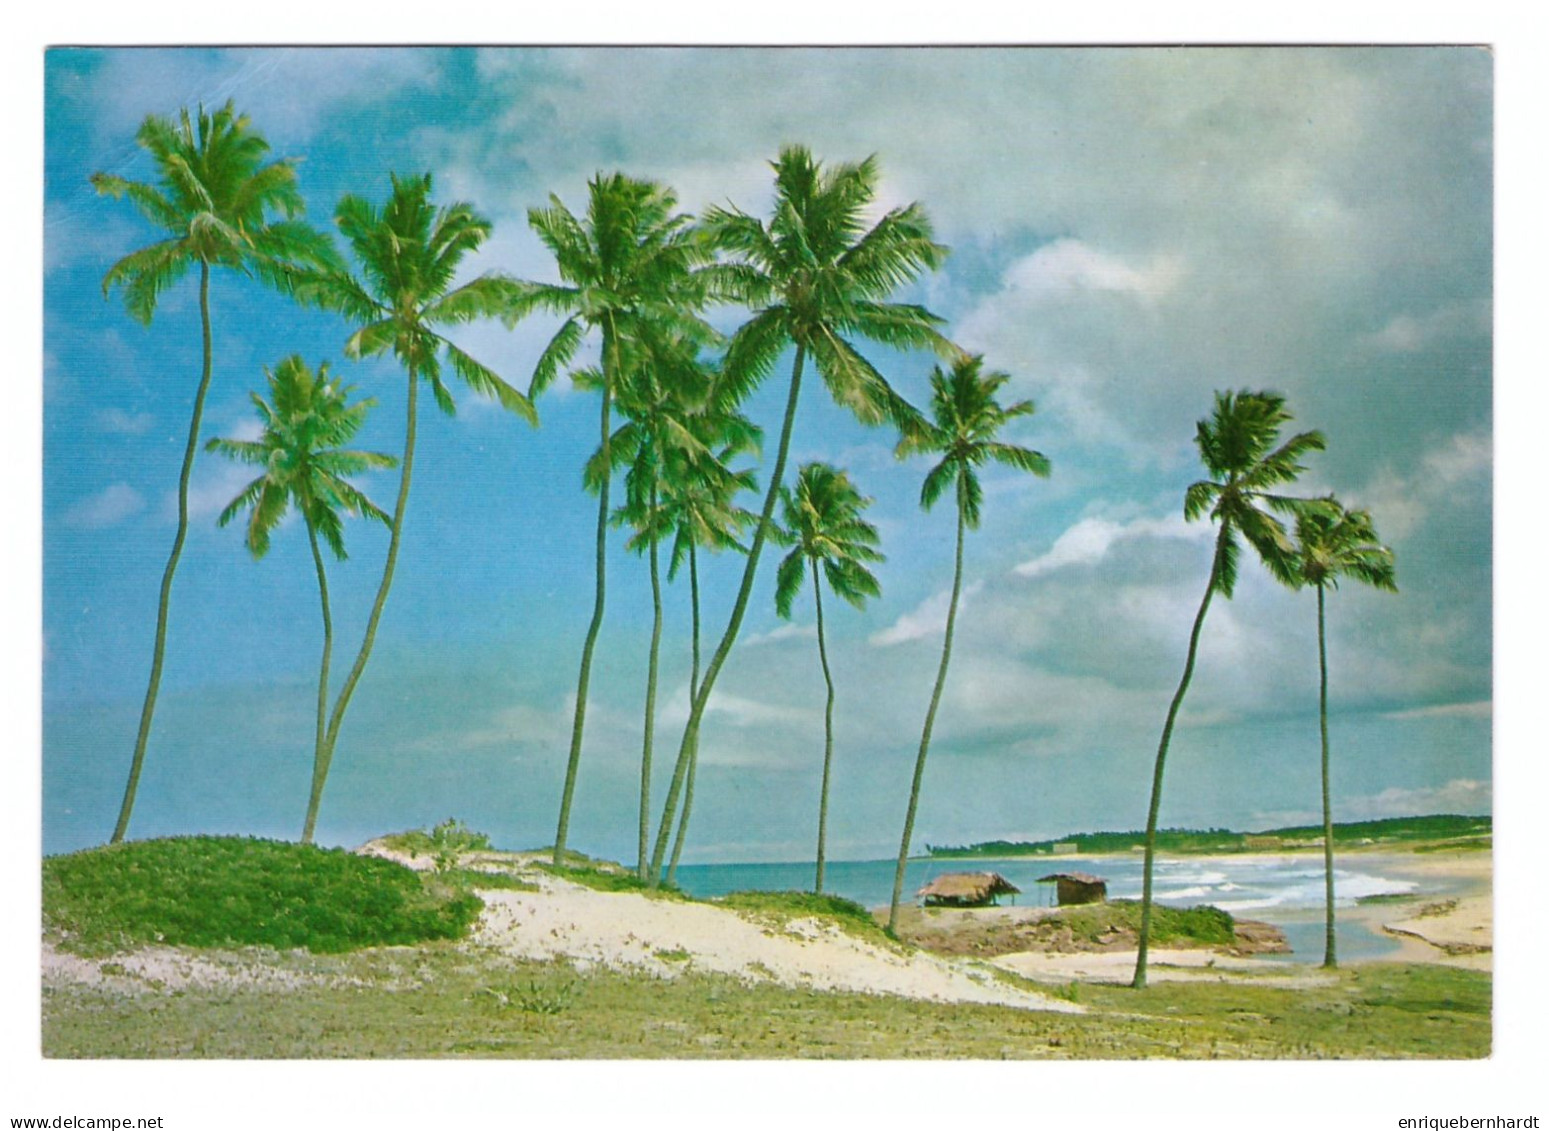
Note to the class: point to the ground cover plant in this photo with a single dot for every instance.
(443, 1001)
(240, 891)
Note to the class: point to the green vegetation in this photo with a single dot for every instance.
(608, 878)
(848, 915)
(1209, 926)
(446, 843)
(442, 1001)
(1455, 832)
(240, 891)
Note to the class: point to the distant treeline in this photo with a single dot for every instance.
(1434, 827)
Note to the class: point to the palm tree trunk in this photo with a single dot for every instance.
(696, 712)
(1329, 959)
(583, 681)
(828, 733)
(1139, 981)
(693, 754)
(930, 722)
(683, 769)
(319, 768)
(395, 538)
(645, 867)
(158, 650)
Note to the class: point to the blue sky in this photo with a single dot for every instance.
(1131, 230)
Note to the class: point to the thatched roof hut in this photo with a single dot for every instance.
(966, 889)
(1077, 887)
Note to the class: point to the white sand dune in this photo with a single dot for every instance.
(628, 931)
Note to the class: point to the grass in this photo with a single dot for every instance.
(442, 1000)
(1090, 922)
(783, 906)
(240, 891)
(613, 879)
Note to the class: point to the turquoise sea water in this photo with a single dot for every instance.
(1284, 890)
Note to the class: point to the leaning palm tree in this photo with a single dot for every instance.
(965, 421)
(305, 420)
(409, 252)
(1241, 449)
(815, 277)
(217, 200)
(632, 261)
(824, 528)
(700, 499)
(1332, 542)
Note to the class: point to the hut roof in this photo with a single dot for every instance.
(968, 886)
(1079, 877)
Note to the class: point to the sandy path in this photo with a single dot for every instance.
(1163, 966)
(624, 931)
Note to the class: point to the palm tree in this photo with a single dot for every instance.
(409, 252)
(1241, 450)
(306, 419)
(815, 276)
(217, 201)
(823, 526)
(700, 498)
(653, 396)
(632, 261)
(1332, 542)
(965, 420)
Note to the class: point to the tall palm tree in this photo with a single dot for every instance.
(306, 419)
(654, 395)
(823, 526)
(816, 276)
(219, 204)
(409, 252)
(965, 422)
(1242, 452)
(631, 262)
(700, 498)
(1332, 542)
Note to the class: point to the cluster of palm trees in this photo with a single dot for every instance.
(638, 276)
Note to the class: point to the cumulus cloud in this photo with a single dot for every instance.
(929, 618)
(1069, 265)
(1088, 541)
(1461, 795)
(1411, 333)
(782, 632)
(109, 507)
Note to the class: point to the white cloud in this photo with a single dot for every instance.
(116, 420)
(739, 710)
(1461, 795)
(782, 632)
(1480, 709)
(108, 507)
(1410, 333)
(1088, 541)
(1400, 503)
(1069, 266)
(929, 618)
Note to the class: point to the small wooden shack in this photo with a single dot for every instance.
(966, 889)
(1077, 887)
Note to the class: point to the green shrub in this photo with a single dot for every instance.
(242, 891)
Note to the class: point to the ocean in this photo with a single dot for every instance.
(1286, 891)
